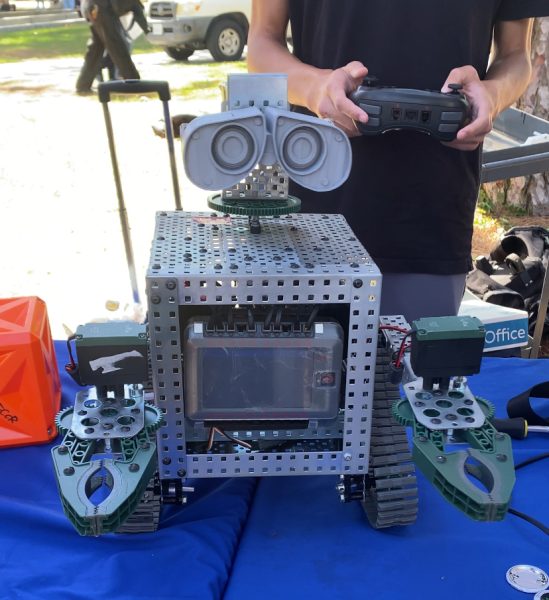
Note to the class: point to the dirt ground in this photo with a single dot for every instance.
(60, 235)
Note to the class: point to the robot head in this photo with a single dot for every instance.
(257, 128)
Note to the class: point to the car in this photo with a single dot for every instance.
(183, 26)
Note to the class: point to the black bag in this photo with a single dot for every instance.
(513, 274)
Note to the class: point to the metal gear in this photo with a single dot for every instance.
(63, 420)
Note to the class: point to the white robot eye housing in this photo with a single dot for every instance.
(257, 129)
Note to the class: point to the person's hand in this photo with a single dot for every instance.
(329, 98)
(483, 108)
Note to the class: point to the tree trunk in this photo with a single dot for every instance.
(530, 194)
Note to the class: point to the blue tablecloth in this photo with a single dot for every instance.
(286, 537)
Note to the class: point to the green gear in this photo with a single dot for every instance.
(63, 420)
(487, 408)
(402, 412)
(254, 207)
(153, 417)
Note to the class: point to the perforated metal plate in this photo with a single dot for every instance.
(200, 261)
(455, 408)
(108, 417)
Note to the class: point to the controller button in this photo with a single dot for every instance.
(370, 109)
(370, 81)
(451, 116)
(448, 128)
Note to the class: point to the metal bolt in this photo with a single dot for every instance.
(144, 445)
(167, 461)
(171, 284)
(441, 459)
(63, 450)
(181, 473)
(357, 283)
(156, 299)
(499, 436)
(422, 438)
(134, 468)
(347, 457)
(501, 457)
(68, 471)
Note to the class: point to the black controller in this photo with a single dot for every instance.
(440, 115)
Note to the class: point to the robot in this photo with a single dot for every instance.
(265, 354)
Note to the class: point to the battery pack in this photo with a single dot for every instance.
(30, 389)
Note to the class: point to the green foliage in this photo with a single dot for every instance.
(53, 42)
(208, 88)
(484, 203)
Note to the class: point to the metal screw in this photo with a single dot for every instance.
(171, 284)
(501, 457)
(134, 468)
(181, 473)
(107, 425)
(145, 445)
(499, 436)
(63, 450)
(347, 457)
(422, 438)
(441, 459)
(68, 471)
(167, 461)
(156, 299)
(357, 283)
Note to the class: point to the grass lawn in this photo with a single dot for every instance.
(53, 42)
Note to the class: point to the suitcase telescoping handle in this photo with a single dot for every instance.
(136, 86)
(139, 86)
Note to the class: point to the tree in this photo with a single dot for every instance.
(530, 194)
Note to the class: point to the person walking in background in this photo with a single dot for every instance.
(107, 33)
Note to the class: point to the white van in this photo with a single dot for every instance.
(183, 26)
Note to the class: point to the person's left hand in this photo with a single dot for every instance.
(483, 107)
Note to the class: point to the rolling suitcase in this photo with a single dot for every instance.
(126, 87)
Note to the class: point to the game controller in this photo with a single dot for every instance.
(438, 114)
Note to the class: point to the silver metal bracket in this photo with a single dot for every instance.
(110, 416)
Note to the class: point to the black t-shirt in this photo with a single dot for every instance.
(409, 199)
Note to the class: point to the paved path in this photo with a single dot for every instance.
(59, 229)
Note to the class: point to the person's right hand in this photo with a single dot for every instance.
(329, 98)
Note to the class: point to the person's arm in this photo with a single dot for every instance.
(323, 91)
(507, 79)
